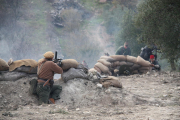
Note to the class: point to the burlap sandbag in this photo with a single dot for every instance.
(102, 67)
(3, 65)
(92, 70)
(131, 59)
(108, 58)
(40, 60)
(119, 57)
(104, 62)
(122, 63)
(97, 69)
(143, 62)
(25, 62)
(69, 63)
(115, 64)
(129, 63)
(111, 81)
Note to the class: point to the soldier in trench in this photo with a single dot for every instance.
(46, 91)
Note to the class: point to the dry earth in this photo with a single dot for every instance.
(154, 96)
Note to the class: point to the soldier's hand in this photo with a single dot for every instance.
(152, 65)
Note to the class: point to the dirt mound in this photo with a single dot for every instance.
(142, 97)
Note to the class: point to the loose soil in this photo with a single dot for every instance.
(153, 96)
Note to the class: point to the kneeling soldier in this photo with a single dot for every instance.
(46, 91)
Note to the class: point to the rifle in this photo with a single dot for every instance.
(57, 60)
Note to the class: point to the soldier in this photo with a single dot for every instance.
(147, 51)
(46, 91)
(124, 50)
(154, 63)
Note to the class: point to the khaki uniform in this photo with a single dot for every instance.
(47, 72)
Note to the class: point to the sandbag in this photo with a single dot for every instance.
(73, 73)
(25, 62)
(102, 67)
(129, 63)
(143, 62)
(131, 59)
(111, 81)
(40, 60)
(69, 63)
(26, 69)
(114, 64)
(92, 70)
(97, 69)
(122, 63)
(104, 62)
(119, 57)
(3, 65)
(108, 58)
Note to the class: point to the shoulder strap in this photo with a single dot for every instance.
(40, 68)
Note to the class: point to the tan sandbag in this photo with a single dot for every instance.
(25, 62)
(10, 61)
(69, 63)
(115, 64)
(142, 62)
(3, 65)
(111, 81)
(122, 63)
(92, 70)
(104, 62)
(96, 68)
(129, 63)
(102, 67)
(40, 60)
(119, 57)
(131, 59)
(108, 58)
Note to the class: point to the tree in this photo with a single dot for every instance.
(129, 32)
(159, 21)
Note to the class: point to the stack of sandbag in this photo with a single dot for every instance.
(3, 65)
(108, 64)
(103, 65)
(145, 65)
(111, 81)
(25, 65)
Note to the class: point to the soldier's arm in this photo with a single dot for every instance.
(56, 68)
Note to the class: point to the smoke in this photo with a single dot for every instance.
(35, 32)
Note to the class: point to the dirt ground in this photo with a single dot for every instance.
(153, 96)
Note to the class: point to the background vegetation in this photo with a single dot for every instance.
(27, 29)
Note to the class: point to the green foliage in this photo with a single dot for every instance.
(159, 21)
(129, 32)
